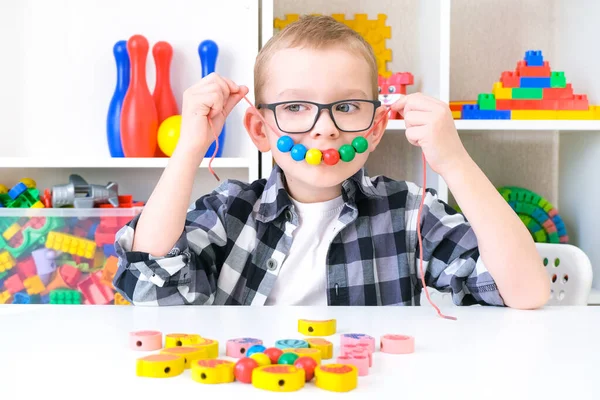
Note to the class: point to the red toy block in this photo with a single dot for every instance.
(105, 236)
(94, 291)
(578, 102)
(26, 268)
(558, 93)
(510, 79)
(70, 275)
(510, 104)
(541, 72)
(14, 284)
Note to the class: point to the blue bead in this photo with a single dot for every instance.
(257, 348)
(285, 144)
(298, 152)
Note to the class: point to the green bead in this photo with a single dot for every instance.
(360, 144)
(287, 358)
(347, 153)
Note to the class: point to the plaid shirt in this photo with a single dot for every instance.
(236, 239)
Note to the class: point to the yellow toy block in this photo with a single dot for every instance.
(38, 204)
(120, 300)
(6, 261)
(11, 231)
(533, 114)
(160, 366)
(282, 23)
(278, 378)
(336, 377)
(3, 189)
(501, 92)
(4, 297)
(71, 244)
(213, 371)
(593, 112)
(29, 183)
(457, 114)
(34, 285)
(317, 328)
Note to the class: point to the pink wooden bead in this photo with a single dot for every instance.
(397, 344)
(236, 348)
(145, 340)
(361, 362)
(356, 338)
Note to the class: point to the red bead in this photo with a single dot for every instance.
(331, 156)
(273, 353)
(243, 369)
(308, 364)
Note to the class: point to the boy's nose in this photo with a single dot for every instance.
(325, 126)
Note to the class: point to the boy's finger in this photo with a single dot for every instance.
(224, 86)
(418, 102)
(234, 99)
(399, 104)
(233, 87)
(416, 118)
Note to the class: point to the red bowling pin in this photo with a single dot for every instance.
(139, 120)
(164, 99)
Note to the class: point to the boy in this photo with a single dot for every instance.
(323, 234)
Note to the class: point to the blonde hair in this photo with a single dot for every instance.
(315, 32)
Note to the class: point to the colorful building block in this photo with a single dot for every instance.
(558, 79)
(534, 58)
(65, 296)
(540, 71)
(71, 244)
(528, 93)
(472, 111)
(534, 82)
(486, 101)
(501, 92)
(7, 261)
(34, 285)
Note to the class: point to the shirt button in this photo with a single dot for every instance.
(271, 264)
(288, 215)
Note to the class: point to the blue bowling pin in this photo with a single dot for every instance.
(113, 118)
(208, 51)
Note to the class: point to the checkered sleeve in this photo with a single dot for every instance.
(189, 272)
(450, 252)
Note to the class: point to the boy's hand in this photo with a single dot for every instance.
(213, 97)
(429, 124)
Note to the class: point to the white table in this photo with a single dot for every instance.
(77, 352)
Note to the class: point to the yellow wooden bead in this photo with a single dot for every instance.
(181, 339)
(325, 346)
(261, 358)
(313, 156)
(278, 378)
(213, 371)
(30, 183)
(209, 346)
(160, 366)
(315, 354)
(336, 377)
(189, 354)
(317, 328)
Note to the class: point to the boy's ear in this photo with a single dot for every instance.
(256, 130)
(379, 130)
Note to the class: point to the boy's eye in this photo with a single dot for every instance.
(346, 107)
(392, 89)
(296, 107)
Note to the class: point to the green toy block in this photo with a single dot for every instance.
(5, 199)
(558, 79)
(25, 200)
(486, 101)
(528, 93)
(65, 296)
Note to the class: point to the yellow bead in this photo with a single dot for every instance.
(181, 339)
(209, 346)
(261, 358)
(30, 183)
(315, 354)
(213, 371)
(3, 189)
(325, 346)
(278, 378)
(189, 354)
(317, 328)
(336, 377)
(314, 156)
(160, 366)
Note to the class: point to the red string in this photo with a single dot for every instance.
(366, 135)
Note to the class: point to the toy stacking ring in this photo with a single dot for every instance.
(345, 153)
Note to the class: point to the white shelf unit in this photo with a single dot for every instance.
(458, 49)
(57, 87)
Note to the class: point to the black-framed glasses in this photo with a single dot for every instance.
(299, 116)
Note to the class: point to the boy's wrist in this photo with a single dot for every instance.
(458, 169)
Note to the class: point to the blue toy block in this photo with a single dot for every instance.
(472, 111)
(534, 58)
(21, 298)
(17, 190)
(109, 250)
(533, 82)
(45, 299)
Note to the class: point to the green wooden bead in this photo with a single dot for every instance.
(347, 153)
(287, 358)
(360, 144)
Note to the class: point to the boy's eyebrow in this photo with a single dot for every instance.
(302, 94)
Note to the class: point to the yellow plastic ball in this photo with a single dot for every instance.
(314, 156)
(168, 134)
(261, 358)
(30, 183)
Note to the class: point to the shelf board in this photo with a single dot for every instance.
(514, 125)
(39, 162)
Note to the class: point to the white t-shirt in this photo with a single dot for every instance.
(302, 278)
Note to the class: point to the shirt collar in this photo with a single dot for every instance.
(275, 198)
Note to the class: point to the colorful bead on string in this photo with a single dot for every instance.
(345, 153)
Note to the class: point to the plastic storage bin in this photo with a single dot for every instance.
(60, 255)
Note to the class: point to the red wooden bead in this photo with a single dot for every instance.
(243, 369)
(273, 353)
(308, 364)
(331, 156)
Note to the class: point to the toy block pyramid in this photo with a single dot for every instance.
(531, 91)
